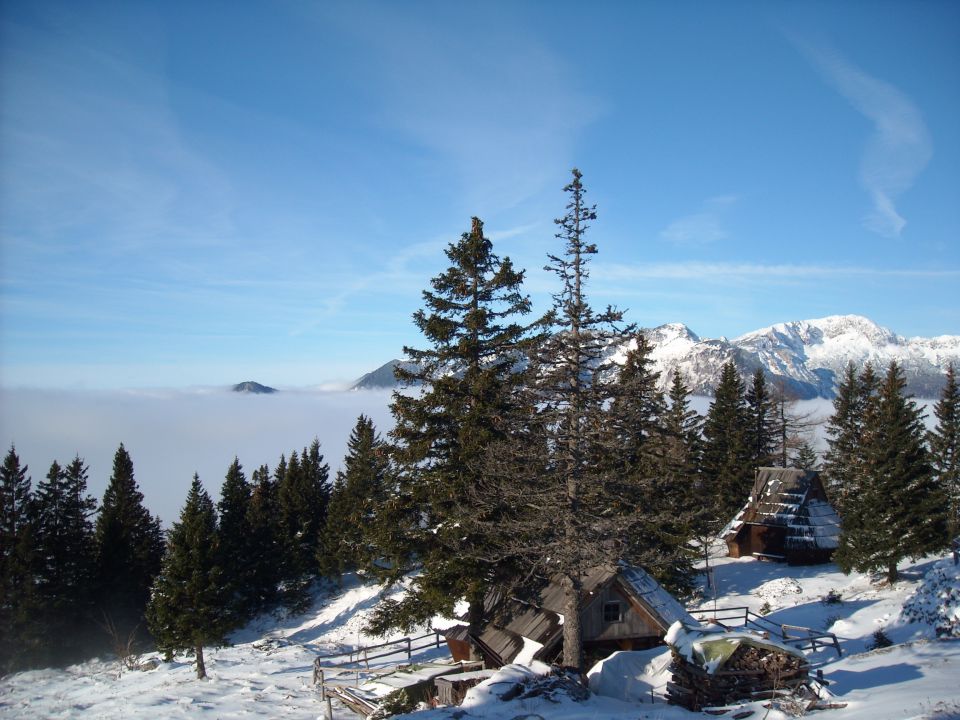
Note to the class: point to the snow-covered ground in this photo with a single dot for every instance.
(267, 672)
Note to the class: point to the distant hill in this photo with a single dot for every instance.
(253, 388)
(807, 356)
(382, 377)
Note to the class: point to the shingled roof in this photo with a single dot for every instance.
(793, 500)
(514, 624)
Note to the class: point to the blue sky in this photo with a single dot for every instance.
(198, 193)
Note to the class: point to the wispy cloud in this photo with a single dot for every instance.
(702, 227)
(82, 155)
(486, 97)
(900, 146)
(720, 272)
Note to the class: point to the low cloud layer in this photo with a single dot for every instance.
(172, 434)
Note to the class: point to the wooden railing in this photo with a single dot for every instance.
(356, 661)
(356, 658)
(802, 638)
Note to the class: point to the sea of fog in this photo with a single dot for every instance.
(171, 434)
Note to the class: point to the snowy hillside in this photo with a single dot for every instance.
(267, 673)
(808, 356)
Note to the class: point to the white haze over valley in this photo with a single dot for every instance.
(170, 434)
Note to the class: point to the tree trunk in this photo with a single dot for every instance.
(572, 630)
(201, 667)
(892, 573)
(475, 619)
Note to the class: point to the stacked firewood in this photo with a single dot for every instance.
(751, 673)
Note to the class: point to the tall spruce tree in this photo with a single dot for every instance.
(945, 448)
(129, 547)
(65, 557)
(358, 494)
(761, 433)
(188, 603)
(20, 636)
(467, 374)
(234, 543)
(843, 462)
(898, 510)
(302, 496)
(681, 425)
(727, 467)
(657, 492)
(265, 560)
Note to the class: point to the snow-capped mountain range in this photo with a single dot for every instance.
(808, 356)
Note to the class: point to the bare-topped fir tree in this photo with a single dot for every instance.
(555, 495)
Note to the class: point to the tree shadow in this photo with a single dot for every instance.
(742, 578)
(844, 681)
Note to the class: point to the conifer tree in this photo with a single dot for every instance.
(945, 448)
(129, 547)
(187, 607)
(551, 488)
(467, 375)
(727, 465)
(682, 435)
(844, 459)
(898, 510)
(761, 433)
(656, 488)
(637, 412)
(805, 458)
(234, 542)
(65, 561)
(265, 559)
(19, 639)
(358, 493)
(302, 497)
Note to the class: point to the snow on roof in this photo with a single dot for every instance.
(665, 605)
(794, 499)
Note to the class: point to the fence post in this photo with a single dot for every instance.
(409, 652)
(329, 708)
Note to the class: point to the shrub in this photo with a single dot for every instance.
(880, 640)
(833, 597)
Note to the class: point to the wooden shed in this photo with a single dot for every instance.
(623, 608)
(787, 518)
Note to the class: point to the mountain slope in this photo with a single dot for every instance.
(806, 356)
(267, 670)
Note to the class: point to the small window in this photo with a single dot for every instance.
(612, 612)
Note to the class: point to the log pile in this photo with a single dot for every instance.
(750, 673)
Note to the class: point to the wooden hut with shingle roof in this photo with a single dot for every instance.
(623, 608)
(787, 518)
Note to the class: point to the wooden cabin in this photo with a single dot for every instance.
(623, 608)
(787, 518)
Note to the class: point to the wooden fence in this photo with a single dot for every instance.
(802, 638)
